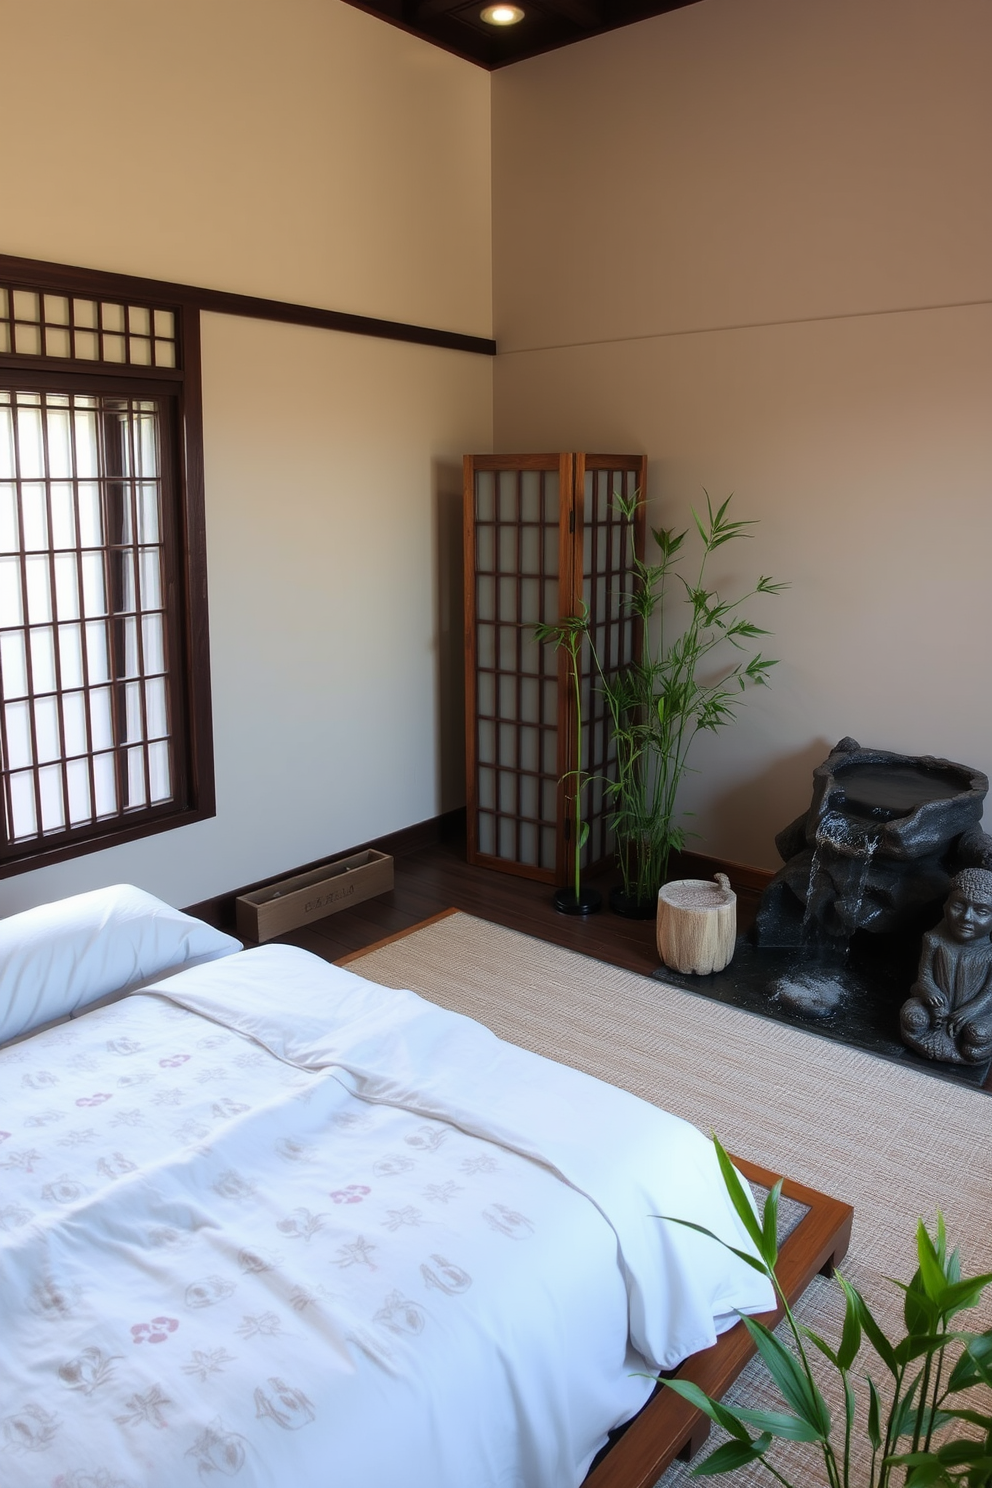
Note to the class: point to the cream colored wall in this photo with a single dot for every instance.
(303, 151)
(753, 238)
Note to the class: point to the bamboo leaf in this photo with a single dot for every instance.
(778, 1423)
(731, 1456)
(710, 1407)
(798, 1391)
(741, 1201)
(874, 1416)
(742, 1255)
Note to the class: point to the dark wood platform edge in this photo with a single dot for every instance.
(668, 1426)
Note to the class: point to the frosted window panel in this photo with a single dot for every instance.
(114, 348)
(507, 744)
(134, 721)
(529, 760)
(530, 698)
(52, 798)
(39, 589)
(9, 529)
(152, 630)
(11, 610)
(530, 550)
(487, 742)
(30, 442)
(97, 652)
(105, 782)
(101, 719)
(56, 309)
(506, 598)
(485, 507)
(71, 655)
(486, 693)
(27, 304)
(508, 550)
(550, 753)
(165, 323)
(485, 549)
(530, 601)
(159, 772)
(129, 598)
(66, 586)
(165, 354)
(530, 496)
(485, 598)
(25, 820)
(13, 665)
(506, 496)
(74, 722)
(549, 800)
(126, 533)
(508, 637)
(87, 447)
(34, 517)
(112, 316)
(131, 667)
(43, 660)
(486, 642)
(57, 343)
(80, 802)
(148, 524)
(139, 351)
(151, 579)
(531, 653)
(94, 589)
(550, 699)
(139, 319)
(48, 735)
(507, 839)
(136, 793)
(90, 515)
(63, 506)
(7, 469)
(487, 789)
(84, 312)
(27, 340)
(4, 337)
(87, 346)
(507, 697)
(156, 712)
(528, 844)
(20, 753)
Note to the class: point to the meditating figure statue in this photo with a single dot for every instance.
(949, 1012)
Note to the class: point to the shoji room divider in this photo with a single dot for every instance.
(543, 537)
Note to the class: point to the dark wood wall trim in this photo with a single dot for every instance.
(219, 911)
(39, 274)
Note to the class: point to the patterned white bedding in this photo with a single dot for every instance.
(277, 1224)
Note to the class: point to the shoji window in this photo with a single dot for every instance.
(104, 698)
(542, 538)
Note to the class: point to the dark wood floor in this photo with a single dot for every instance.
(436, 878)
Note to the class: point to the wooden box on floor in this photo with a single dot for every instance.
(310, 896)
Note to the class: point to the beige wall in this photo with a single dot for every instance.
(303, 151)
(753, 238)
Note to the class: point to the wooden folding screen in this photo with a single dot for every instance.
(542, 538)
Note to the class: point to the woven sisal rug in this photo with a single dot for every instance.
(896, 1144)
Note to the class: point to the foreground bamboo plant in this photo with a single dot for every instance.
(923, 1389)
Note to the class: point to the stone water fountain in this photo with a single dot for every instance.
(867, 871)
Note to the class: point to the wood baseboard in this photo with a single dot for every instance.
(220, 910)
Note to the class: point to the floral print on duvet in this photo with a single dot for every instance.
(215, 1265)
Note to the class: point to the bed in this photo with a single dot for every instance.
(262, 1219)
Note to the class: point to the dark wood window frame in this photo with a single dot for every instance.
(177, 390)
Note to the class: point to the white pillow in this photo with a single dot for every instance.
(60, 957)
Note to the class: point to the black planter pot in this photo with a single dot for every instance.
(625, 904)
(588, 901)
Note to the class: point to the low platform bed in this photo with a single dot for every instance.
(262, 1215)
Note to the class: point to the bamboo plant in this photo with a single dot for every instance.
(662, 699)
(932, 1373)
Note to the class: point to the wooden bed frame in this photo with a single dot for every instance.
(668, 1426)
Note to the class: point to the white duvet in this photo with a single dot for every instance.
(278, 1224)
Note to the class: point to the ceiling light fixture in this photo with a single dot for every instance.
(502, 15)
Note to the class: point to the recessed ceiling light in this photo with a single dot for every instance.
(502, 15)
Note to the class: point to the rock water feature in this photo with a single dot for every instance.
(867, 870)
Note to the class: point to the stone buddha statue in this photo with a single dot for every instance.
(948, 1014)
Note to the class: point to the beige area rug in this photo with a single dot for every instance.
(896, 1144)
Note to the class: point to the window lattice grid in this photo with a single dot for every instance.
(516, 578)
(85, 729)
(37, 323)
(607, 554)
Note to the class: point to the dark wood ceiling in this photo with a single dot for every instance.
(547, 24)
